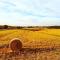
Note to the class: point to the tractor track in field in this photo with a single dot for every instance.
(51, 34)
(8, 35)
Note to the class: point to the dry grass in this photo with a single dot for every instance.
(34, 39)
(45, 38)
(31, 55)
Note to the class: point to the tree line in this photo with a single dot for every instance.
(10, 27)
(20, 27)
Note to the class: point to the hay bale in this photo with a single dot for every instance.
(15, 44)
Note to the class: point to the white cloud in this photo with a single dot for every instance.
(30, 12)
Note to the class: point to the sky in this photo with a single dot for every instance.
(30, 12)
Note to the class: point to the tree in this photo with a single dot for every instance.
(5, 26)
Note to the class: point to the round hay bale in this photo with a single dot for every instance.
(15, 44)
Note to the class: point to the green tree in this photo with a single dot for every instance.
(5, 26)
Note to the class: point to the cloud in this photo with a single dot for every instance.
(30, 12)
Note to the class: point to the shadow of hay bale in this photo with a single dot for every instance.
(15, 44)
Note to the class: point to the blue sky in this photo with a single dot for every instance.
(30, 12)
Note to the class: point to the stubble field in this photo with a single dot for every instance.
(44, 44)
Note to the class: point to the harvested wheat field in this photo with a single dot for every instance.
(42, 44)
